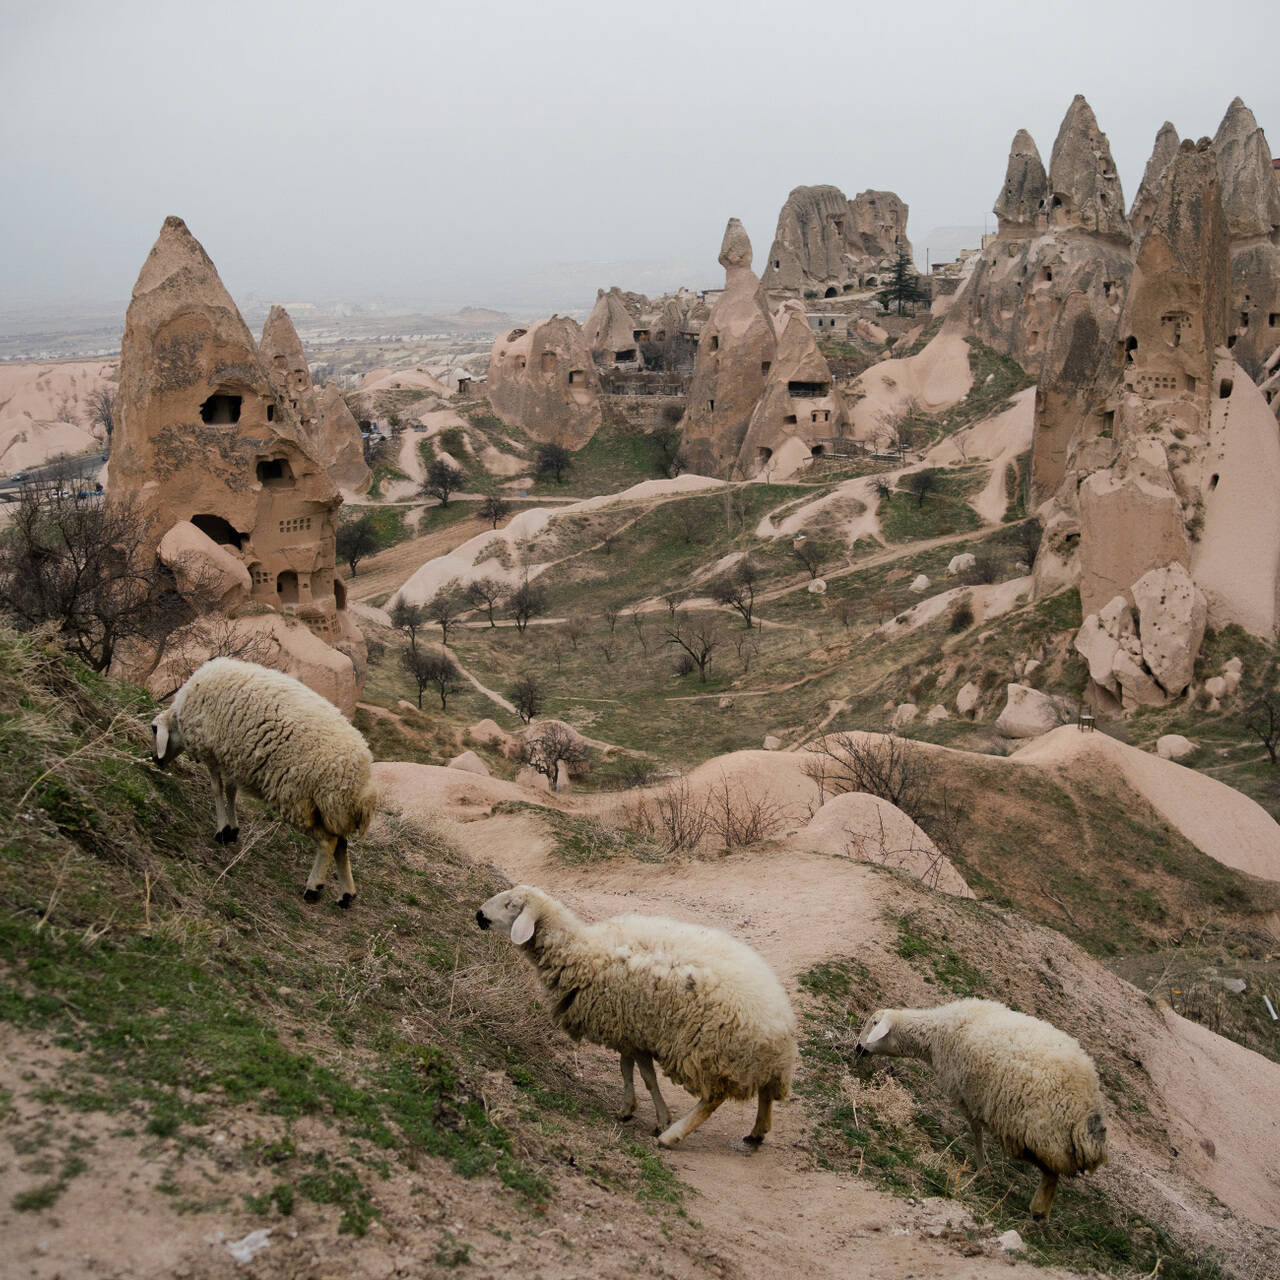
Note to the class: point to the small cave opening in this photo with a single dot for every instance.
(817, 451)
(715, 343)
(625, 357)
(1213, 482)
(287, 587)
(271, 413)
(339, 593)
(221, 531)
(575, 376)
(221, 410)
(275, 473)
(831, 292)
(1225, 387)
(763, 455)
(765, 366)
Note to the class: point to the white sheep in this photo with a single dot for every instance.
(1032, 1085)
(704, 1006)
(265, 732)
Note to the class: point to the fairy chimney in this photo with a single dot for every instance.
(1084, 186)
(736, 349)
(1144, 203)
(204, 438)
(1020, 206)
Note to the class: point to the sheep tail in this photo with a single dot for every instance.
(1089, 1142)
(366, 806)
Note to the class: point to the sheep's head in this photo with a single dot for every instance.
(879, 1034)
(167, 742)
(514, 913)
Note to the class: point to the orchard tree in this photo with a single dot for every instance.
(356, 540)
(443, 480)
(554, 460)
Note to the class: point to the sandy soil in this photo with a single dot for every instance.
(936, 378)
(997, 440)
(44, 410)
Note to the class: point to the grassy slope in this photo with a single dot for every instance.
(183, 981)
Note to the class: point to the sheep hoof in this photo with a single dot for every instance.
(312, 895)
(750, 1144)
(346, 900)
(228, 835)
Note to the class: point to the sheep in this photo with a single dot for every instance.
(703, 1006)
(265, 732)
(1032, 1085)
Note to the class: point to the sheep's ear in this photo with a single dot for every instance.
(878, 1032)
(522, 930)
(161, 730)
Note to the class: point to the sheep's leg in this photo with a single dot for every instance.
(975, 1128)
(650, 1078)
(315, 881)
(764, 1119)
(224, 792)
(1042, 1201)
(343, 866)
(628, 1087)
(687, 1124)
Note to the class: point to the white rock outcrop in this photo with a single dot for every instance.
(1028, 713)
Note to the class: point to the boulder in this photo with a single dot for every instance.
(1028, 713)
(771, 743)
(967, 699)
(937, 714)
(1098, 648)
(961, 563)
(469, 762)
(1173, 746)
(531, 778)
(859, 825)
(1216, 687)
(919, 583)
(725, 703)
(206, 573)
(488, 733)
(1171, 622)
(1137, 687)
(904, 714)
(818, 587)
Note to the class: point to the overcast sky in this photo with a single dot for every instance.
(499, 153)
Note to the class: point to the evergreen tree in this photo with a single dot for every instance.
(903, 286)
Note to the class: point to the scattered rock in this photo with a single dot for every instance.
(919, 583)
(243, 1250)
(1173, 746)
(1010, 1242)
(904, 714)
(531, 778)
(967, 699)
(771, 743)
(937, 713)
(469, 762)
(725, 703)
(961, 563)
(818, 587)
(1029, 713)
(1216, 687)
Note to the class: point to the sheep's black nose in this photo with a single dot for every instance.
(482, 920)
(858, 1052)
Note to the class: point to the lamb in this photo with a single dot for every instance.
(702, 1005)
(1032, 1085)
(265, 732)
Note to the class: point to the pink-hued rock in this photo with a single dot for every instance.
(736, 350)
(610, 332)
(206, 573)
(1028, 713)
(1171, 622)
(543, 380)
(469, 762)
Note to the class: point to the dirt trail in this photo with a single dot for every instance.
(381, 574)
(771, 1212)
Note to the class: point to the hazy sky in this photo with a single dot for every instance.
(499, 153)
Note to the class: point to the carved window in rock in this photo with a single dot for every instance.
(220, 530)
(625, 357)
(576, 376)
(261, 577)
(1225, 388)
(715, 343)
(297, 524)
(763, 454)
(275, 473)
(808, 390)
(271, 411)
(1157, 383)
(548, 362)
(221, 409)
(817, 451)
(766, 365)
(790, 419)
(287, 587)
(1173, 325)
(1273, 320)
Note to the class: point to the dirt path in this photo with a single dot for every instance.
(770, 1213)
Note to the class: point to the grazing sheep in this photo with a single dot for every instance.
(702, 1005)
(1032, 1085)
(265, 732)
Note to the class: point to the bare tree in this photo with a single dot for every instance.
(553, 459)
(210, 635)
(527, 601)
(575, 627)
(637, 621)
(606, 647)
(552, 744)
(102, 410)
(409, 618)
(844, 611)
(1263, 721)
(883, 603)
(884, 765)
(811, 555)
(747, 647)
(921, 483)
(445, 607)
(740, 816)
(357, 539)
(697, 638)
(88, 567)
(666, 443)
(685, 517)
(611, 613)
(675, 819)
(526, 697)
(486, 594)
(493, 508)
(443, 480)
(433, 671)
(737, 589)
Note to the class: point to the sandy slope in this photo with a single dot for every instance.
(935, 379)
(44, 410)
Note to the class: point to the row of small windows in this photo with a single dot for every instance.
(299, 524)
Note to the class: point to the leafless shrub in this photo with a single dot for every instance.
(876, 846)
(674, 820)
(637, 621)
(552, 744)
(697, 639)
(741, 817)
(884, 765)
